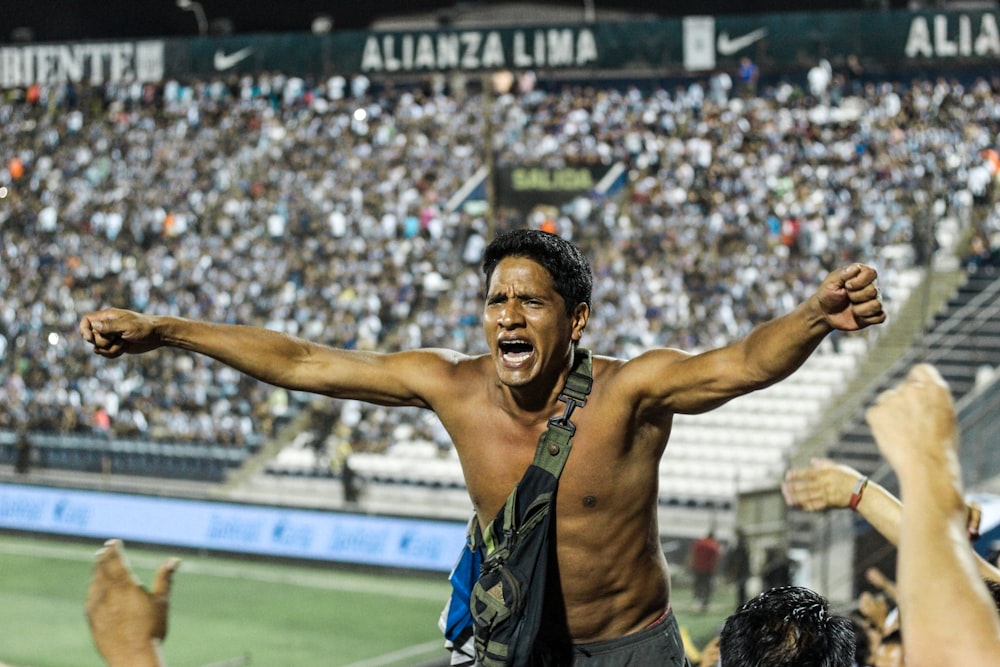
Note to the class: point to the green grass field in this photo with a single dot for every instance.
(228, 611)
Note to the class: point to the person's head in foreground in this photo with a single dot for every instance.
(789, 626)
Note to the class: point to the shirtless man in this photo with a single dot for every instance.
(614, 581)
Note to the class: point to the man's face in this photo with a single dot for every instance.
(525, 322)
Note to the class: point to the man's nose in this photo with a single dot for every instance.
(510, 315)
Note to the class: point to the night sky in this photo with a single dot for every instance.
(63, 20)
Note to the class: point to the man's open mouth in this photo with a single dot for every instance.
(516, 350)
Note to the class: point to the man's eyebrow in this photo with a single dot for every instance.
(520, 296)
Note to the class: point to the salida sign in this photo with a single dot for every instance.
(526, 187)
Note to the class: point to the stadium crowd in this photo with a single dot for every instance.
(319, 208)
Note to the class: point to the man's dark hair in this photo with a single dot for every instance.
(569, 269)
(788, 626)
(862, 643)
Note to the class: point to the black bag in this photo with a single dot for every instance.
(508, 597)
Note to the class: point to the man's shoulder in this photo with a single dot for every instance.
(443, 362)
(649, 363)
(441, 356)
(607, 364)
(440, 375)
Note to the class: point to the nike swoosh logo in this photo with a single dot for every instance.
(224, 61)
(728, 47)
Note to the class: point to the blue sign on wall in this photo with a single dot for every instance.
(232, 527)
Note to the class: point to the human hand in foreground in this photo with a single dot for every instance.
(710, 654)
(127, 622)
(114, 332)
(915, 425)
(823, 485)
(874, 608)
(850, 298)
(877, 578)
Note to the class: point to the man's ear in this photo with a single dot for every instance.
(580, 316)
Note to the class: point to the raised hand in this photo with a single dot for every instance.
(914, 423)
(127, 622)
(823, 485)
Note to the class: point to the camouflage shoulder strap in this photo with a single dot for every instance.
(555, 443)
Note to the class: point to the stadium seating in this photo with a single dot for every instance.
(241, 247)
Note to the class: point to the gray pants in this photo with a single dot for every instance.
(658, 645)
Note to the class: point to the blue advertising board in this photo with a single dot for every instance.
(232, 527)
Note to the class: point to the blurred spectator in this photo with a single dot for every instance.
(352, 483)
(820, 77)
(736, 565)
(748, 74)
(776, 571)
(703, 559)
(22, 455)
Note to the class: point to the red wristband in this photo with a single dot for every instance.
(859, 491)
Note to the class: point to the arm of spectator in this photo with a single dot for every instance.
(877, 578)
(947, 615)
(127, 622)
(826, 484)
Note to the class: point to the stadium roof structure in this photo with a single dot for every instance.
(487, 14)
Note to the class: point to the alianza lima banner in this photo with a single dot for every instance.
(882, 40)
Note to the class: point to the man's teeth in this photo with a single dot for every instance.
(515, 351)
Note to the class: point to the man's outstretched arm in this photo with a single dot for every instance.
(848, 299)
(270, 356)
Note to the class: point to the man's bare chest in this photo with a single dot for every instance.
(495, 455)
